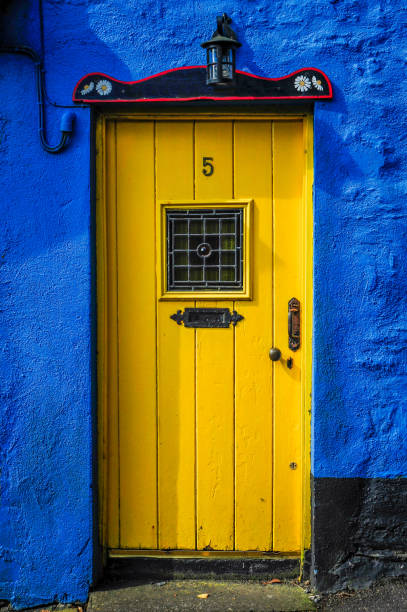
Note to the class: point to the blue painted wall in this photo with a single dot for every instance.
(360, 354)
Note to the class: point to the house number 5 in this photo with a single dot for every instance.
(208, 168)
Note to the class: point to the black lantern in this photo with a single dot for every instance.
(220, 53)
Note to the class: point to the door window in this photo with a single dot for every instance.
(205, 249)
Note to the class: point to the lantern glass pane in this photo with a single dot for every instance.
(227, 56)
(212, 64)
(227, 64)
(213, 72)
(227, 72)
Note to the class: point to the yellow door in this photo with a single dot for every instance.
(205, 435)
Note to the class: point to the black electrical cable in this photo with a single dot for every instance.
(42, 43)
(42, 39)
(42, 95)
(67, 122)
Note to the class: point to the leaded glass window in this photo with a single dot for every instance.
(204, 249)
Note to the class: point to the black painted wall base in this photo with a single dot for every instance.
(359, 531)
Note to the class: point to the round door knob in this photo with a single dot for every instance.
(275, 354)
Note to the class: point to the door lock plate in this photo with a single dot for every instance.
(294, 324)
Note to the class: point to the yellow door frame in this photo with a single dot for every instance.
(106, 301)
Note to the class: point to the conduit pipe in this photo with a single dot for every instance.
(67, 119)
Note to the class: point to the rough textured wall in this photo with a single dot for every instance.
(360, 350)
(45, 275)
(359, 391)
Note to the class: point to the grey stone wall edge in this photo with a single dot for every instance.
(359, 531)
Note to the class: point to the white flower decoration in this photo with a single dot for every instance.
(317, 83)
(302, 83)
(87, 88)
(104, 87)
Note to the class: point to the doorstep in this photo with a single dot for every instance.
(178, 567)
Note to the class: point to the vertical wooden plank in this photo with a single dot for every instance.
(252, 177)
(288, 173)
(176, 361)
(215, 368)
(110, 377)
(137, 334)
